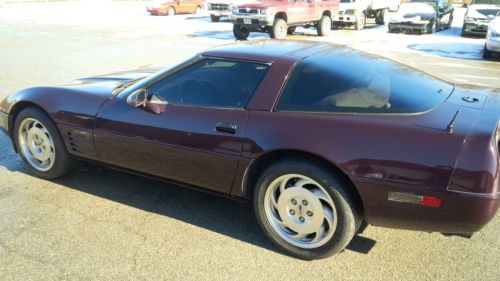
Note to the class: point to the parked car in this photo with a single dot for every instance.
(492, 44)
(279, 18)
(321, 138)
(422, 16)
(222, 8)
(173, 7)
(478, 15)
(355, 12)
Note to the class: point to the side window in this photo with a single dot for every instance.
(211, 83)
(347, 81)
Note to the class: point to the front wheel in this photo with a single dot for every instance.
(360, 24)
(432, 28)
(450, 21)
(40, 145)
(279, 29)
(240, 33)
(305, 210)
(487, 54)
(214, 18)
(324, 26)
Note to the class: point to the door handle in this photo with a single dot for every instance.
(226, 128)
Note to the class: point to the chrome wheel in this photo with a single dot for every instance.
(300, 211)
(36, 144)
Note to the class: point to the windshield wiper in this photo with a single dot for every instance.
(124, 86)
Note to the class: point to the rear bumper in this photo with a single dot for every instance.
(4, 122)
(458, 213)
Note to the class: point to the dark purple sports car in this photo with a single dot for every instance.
(324, 139)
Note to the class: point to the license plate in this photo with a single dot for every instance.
(247, 21)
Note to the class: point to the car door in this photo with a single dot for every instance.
(197, 136)
(298, 12)
(187, 6)
(443, 13)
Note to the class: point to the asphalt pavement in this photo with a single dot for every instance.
(99, 224)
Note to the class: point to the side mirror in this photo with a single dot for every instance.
(138, 98)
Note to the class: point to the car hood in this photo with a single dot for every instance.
(415, 12)
(75, 103)
(482, 11)
(264, 4)
(233, 2)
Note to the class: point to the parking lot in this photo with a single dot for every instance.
(100, 224)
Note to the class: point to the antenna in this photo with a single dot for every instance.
(449, 129)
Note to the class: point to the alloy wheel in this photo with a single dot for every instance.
(300, 211)
(36, 144)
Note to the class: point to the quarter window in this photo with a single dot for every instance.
(342, 80)
(211, 83)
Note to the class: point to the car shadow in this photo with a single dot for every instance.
(227, 217)
(469, 51)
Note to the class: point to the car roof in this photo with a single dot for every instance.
(264, 50)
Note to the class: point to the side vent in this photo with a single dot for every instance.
(79, 141)
(71, 142)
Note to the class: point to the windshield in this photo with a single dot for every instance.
(487, 2)
(128, 87)
(416, 8)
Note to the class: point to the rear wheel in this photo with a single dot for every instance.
(279, 29)
(360, 24)
(306, 210)
(487, 54)
(324, 26)
(240, 33)
(214, 18)
(382, 16)
(40, 145)
(171, 11)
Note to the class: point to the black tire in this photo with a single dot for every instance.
(171, 11)
(214, 18)
(450, 21)
(279, 29)
(63, 163)
(383, 17)
(291, 30)
(360, 24)
(347, 207)
(240, 33)
(487, 54)
(324, 26)
(432, 27)
(464, 33)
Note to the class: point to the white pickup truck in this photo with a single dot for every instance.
(222, 8)
(355, 12)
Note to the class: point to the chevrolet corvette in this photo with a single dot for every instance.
(322, 139)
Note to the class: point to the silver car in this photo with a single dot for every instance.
(492, 44)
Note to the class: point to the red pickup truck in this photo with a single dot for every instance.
(281, 17)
